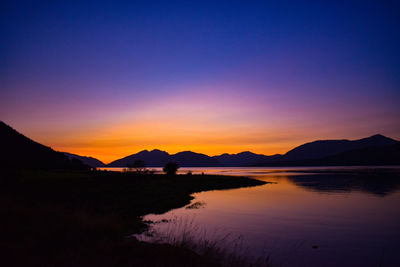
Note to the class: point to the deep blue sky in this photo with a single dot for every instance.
(69, 64)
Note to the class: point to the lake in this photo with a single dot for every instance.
(333, 216)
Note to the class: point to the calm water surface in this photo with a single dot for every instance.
(352, 214)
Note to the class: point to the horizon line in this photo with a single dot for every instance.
(243, 151)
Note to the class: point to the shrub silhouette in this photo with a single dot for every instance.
(171, 168)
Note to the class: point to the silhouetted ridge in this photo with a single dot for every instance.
(319, 152)
(245, 158)
(374, 155)
(158, 158)
(90, 161)
(192, 159)
(18, 151)
(154, 158)
(324, 148)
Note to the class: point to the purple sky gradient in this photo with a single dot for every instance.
(110, 79)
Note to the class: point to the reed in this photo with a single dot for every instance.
(219, 247)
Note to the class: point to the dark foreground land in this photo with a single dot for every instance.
(85, 218)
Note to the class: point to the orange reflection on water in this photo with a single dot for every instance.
(351, 222)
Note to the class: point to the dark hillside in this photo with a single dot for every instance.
(18, 151)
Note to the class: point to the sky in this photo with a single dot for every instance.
(108, 79)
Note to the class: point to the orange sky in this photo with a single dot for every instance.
(110, 80)
(204, 125)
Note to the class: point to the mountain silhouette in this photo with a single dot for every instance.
(375, 153)
(18, 151)
(158, 158)
(384, 155)
(324, 148)
(374, 150)
(192, 159)
(92, 162)
(154, 158)
(245, 158)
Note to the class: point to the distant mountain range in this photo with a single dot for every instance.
(375, 150)
(18, 151)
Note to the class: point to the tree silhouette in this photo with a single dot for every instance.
(171, 168)
(139, 166)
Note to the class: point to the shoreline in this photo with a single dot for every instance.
(62, 216)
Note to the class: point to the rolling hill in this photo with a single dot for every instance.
(92, 162)
(18, 151)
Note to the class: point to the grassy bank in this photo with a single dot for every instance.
(83, 218)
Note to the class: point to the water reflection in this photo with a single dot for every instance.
(350, 215)
(381, 185)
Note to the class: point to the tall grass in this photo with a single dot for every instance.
(222, 249)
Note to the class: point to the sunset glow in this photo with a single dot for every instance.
(116, 80)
